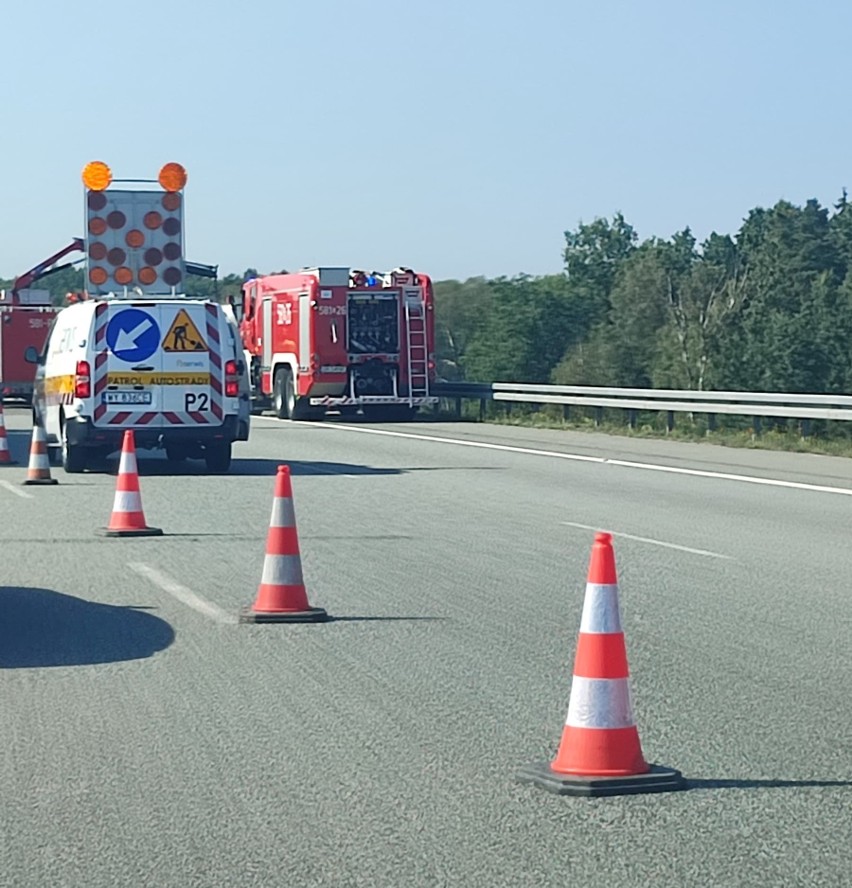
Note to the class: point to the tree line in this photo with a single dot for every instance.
(766, 309)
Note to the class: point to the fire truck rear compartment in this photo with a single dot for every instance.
(373, 325)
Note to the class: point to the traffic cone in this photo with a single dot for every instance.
(128, 519)
(600, 753)
(5, 453)
(38, 470)
(281, 597)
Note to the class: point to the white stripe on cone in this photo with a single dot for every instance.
(283, 512)
(600, 703)
(127, 463)
(127, 501)
(282, 570)
(601, 611)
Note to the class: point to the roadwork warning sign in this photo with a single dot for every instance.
(183, 335)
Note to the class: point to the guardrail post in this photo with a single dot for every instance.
(670, 421)
(458, 408)
(711, 422)
(598, 416)
(806, 428)
(631, 418)
(757, 426)
(482, 409)
(566, 412)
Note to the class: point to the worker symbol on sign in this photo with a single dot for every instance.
(183, 335)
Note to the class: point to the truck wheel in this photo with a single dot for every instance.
(218, 457)
(284, 394)
(73, 456)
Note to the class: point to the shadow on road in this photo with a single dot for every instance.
(334, 619)
(40, 627)
(247, 467)
(762, 784)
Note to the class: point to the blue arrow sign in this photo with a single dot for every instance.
(133, 335)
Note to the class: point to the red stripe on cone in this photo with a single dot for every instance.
(128, 517)
(5, 453)
(281, 595)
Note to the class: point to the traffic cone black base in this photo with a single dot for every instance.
(40, 481)
(140, 532)
(658, 779)
(312, 615)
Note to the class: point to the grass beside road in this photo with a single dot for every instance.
(819, 437)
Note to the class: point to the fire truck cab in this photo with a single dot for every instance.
(334, 338)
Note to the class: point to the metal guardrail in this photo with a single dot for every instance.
(671, 401)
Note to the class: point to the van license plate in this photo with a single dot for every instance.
(127, 397)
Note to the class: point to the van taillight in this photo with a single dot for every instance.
(83, 380)
(232, 380)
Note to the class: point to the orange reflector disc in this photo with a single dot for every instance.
(97, 225)
(172, 276)
(97, 276)
(97, 251)
(97, 175)
(123, 275)
(172, 177)
(147, 275)
(134, 238)
(171, 201)
(153, 220)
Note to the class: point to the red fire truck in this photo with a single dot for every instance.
(25, 318)
(340, 339)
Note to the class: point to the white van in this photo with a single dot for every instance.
(169, 368)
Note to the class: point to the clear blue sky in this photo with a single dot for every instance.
(461, 137)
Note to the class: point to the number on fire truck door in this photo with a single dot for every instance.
(285, 313)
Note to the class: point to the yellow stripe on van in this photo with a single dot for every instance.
(158, 379)
(58, 385)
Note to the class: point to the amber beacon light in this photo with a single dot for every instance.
(172, 177)
(97, 176)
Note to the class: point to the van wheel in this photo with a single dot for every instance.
(175, 453)
(283, 394)
(73, 456)
(218, 457)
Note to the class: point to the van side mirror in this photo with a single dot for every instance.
(31, 355)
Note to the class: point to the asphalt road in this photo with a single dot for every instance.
(147, 738)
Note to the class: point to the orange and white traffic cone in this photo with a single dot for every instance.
(128, 518)
(281, 597)
(5, 453)
(38, 470)
(600, 753)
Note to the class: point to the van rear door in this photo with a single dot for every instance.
(192, 368)
(128, 365)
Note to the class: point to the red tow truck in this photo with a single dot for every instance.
(339, 339)
(25, 318)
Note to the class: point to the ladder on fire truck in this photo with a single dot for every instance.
(418, 357)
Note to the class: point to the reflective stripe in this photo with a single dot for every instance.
(127, 464)
(283, 512)
(600, 609)
(600, 703)
(127, 501)
(282, 570)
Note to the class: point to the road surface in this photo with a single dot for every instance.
(147, 738)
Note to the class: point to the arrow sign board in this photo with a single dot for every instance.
(133, 335)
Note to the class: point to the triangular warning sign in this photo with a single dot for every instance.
(183, 335)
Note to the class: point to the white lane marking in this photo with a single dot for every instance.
(187, 596)
(638, 539)
(12, 489)
(624, 463)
